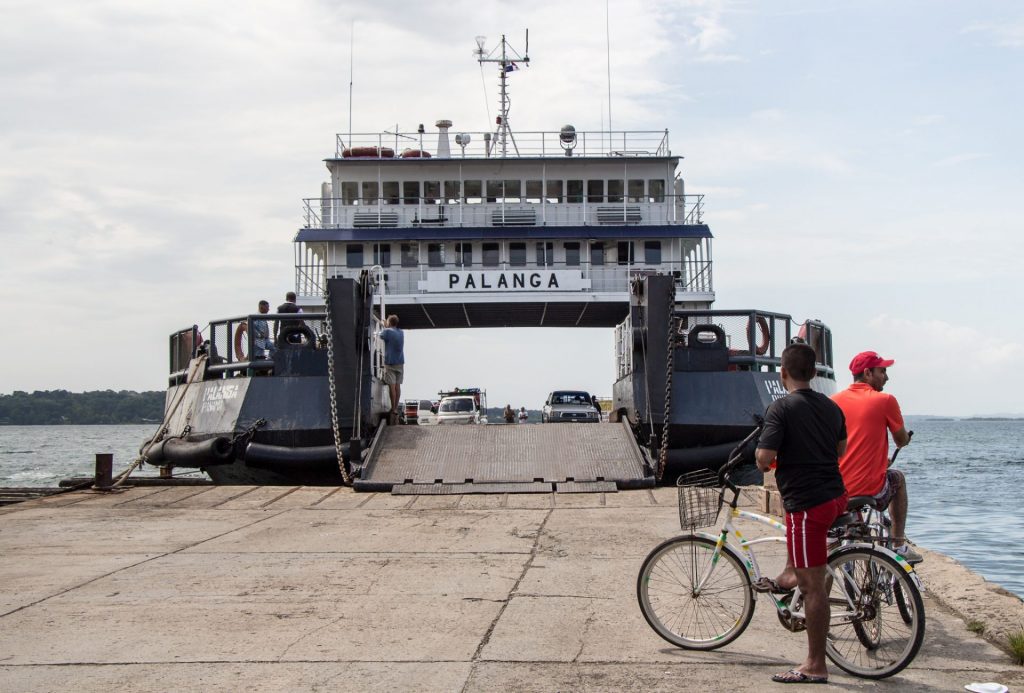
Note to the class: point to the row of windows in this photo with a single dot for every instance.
(464, 255)
(410, 192)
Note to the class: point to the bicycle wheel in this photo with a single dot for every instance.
(692, 600)
(869, 635)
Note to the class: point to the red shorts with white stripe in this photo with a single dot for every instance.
(806, 532)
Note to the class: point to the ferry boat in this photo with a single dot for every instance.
(454, 228)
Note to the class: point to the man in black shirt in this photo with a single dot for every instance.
(804, 434)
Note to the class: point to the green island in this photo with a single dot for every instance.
(55, 407)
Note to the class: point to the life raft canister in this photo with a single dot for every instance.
(240, 341)
(766, 338)
(368, 152)
(415, 154)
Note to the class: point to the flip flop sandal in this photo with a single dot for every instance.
(794, 676)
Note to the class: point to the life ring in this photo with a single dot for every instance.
(368, 152)
(415, 154)
(241, 341)
(766, 337)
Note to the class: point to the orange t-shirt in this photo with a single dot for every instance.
(870, 416)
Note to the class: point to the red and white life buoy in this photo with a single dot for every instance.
(240, 341)
(766, 336)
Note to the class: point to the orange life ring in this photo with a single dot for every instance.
(240, 341)
(766, 337)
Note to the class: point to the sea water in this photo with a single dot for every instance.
(964, 479)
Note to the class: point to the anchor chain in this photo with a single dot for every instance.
(670, 358)
(247, 433)
(346, 479)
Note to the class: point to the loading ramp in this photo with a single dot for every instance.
(504, 458)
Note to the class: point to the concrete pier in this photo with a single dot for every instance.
(279, 588)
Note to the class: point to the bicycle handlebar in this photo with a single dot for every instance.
(736, 456)
(910, 436)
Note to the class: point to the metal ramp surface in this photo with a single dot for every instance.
(504, 458)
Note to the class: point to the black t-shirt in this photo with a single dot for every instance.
(805, 427)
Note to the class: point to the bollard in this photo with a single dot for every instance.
(104, 471)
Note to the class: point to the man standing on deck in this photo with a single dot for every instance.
(261, 332)
(804, 434)
(394, 363)
(289, 306)
(870, 416)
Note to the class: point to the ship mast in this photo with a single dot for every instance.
(507, 58)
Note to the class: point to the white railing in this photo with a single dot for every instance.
(483, 145)
(334, 213)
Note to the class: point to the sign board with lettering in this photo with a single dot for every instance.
(456, 281)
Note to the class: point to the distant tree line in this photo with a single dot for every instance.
(51, 407)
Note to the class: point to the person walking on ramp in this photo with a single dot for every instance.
(394, 364)
(804, 434)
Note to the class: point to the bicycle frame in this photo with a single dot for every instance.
(746, 552)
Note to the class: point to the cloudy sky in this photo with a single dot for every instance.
(862, 164)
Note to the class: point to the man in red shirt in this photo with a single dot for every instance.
(870, 416)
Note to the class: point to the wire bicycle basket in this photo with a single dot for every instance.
(700, 499)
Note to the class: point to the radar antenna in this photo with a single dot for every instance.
(508, 60)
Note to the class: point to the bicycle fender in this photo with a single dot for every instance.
(878, 548)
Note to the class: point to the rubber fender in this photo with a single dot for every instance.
(694, 341)
(263, 456)
(176, 452)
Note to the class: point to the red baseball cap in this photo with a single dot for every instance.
(868, 359)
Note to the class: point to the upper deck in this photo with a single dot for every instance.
(566, 178)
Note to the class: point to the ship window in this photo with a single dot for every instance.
(410, 254)
(382, 254)
(534, 190)
(652, 252)
(554, 191)
(625, 253)
(517, 254)
(574, 192)
(370, 192)
(656, 189)
(572, 254)
(354, 255)
(513, 190)
(636, 190)
(451, 191)
(390, 192)
(431, 191)
(473, 191)
(595, 191)
(349, 193)
(546, 253)
(464, 254)
(495, 190)
(597, 252)
(490, 254)
(615, 191)
(411, 192)
(435, 254)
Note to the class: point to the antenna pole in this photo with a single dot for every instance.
(351, 72)
(608, 48)
(506, 63)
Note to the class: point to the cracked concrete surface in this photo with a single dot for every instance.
(271, 589)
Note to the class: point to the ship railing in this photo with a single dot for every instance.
(484, 145)
(232, 344)
(755, 338)
(692, 275)
(425, 212)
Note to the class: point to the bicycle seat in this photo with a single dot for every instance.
(858, 502)
(846, 518)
